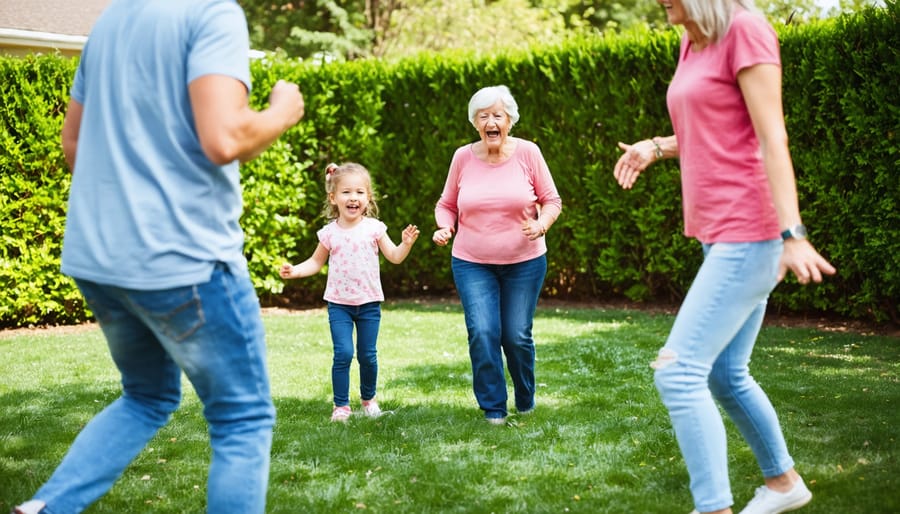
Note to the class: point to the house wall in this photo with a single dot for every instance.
(15, 42)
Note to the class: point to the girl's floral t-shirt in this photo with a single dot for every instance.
(353, 268)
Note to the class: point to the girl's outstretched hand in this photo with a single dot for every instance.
(286, 271)
(410, 234)
(442, 236)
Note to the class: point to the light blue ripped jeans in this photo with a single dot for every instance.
(705, 360)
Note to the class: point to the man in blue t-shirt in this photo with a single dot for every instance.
(158, 121)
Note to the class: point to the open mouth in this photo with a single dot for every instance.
(492, 133)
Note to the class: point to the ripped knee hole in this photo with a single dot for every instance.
(665, 358)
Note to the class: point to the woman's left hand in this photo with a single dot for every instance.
(442, 236)
(804, 261)
(532, 229)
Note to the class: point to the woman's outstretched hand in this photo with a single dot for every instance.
(636, 158)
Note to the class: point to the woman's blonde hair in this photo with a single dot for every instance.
(713, 17)
(333, 174)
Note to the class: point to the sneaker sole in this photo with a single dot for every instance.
(797, 504)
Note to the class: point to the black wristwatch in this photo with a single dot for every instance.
(795, 232)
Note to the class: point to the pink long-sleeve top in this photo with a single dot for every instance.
(486, 204)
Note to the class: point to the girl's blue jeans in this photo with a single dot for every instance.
(705, 360)
(367, 319)
(499, 301)
(214, 333)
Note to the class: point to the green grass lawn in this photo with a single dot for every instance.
(600, 439)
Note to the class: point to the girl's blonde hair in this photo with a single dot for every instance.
(713, 17)
(333, 174)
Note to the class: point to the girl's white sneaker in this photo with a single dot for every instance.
(370, 408)
(341, 413)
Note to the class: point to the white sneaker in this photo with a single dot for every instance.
(30, 507)
(767, 501)
(341, 414)
(370, 408)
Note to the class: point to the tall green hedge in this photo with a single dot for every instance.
(33, 186)
(404, 120)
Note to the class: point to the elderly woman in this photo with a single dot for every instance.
(499, 201)
(740, 202)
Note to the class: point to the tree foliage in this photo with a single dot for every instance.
(309, 28)
(479, 26)
(391, 29)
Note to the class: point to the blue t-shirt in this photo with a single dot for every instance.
(147, 209)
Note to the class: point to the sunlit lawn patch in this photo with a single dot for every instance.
(599, 441)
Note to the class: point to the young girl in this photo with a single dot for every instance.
(350, 244)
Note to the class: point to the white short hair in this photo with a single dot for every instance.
(488, 96)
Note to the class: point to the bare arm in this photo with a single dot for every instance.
(761, 88)
(229, 129)
(70, 131)
(308, 267)
(397, 253)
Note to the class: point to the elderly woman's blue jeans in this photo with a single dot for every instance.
(214, 333)
(705, 360)
(499, 301)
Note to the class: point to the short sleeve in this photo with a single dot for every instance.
(324, 235)
(77, 92)
(220, 43)
(379, 229)
(753, 42)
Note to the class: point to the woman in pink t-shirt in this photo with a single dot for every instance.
(740, 202)
(349, 243)
(499, 200)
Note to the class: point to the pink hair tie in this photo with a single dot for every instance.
(329, 170)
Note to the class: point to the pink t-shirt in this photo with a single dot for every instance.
(354, 276)
(724, 184)
(487, 204)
